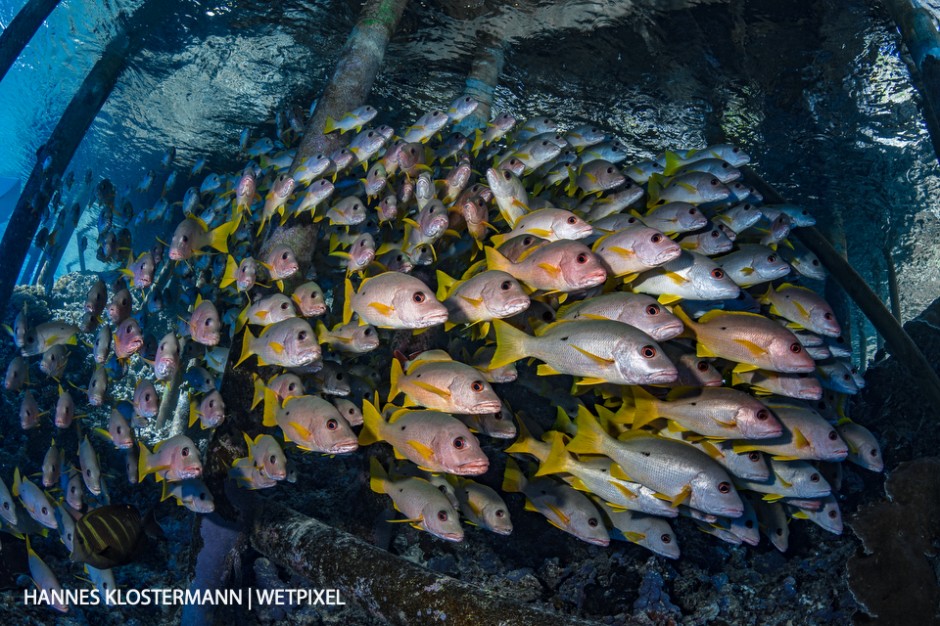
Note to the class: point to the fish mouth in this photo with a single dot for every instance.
(434, 318)
(514, 306)
(473, 468)
(190, 472)
(593, 279)
(344, 447)
(455, 537)
(664, 376)
(730, 511)
(597, 541)
(489, 406)
(175, 255)
(668, 331)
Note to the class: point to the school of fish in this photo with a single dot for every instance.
(666, 314)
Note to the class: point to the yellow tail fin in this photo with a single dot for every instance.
(193, 413)
(143, 462)
(673, 163)
(218, 238)
(246, 347)
(558, 460)
(496, 261)
(645, 411)
(371, 424)
(228, 277)
(590, 437)
(377, 476)
(330, 125)
(444, 285)
(271, 403)
(510, 344)
(347, 302)
(513, 480)
(394, 375)
(259, 387)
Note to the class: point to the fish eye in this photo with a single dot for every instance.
(184, 451)
(367, 332)
(284, 256)
(827, 316)
(185, 238)
(582, 258)
(592, 522)
(652, 310)
(332, 424)
(718, 273)
(715, 234)
(796, 348)
(815, 262)
(692, 211)
(754, 457)
(302, 335)
(6, 505)
(547, 316)
(283, 306)
(873, 452)
(419, 297)
(702, 366)
(88, 472)
(460, 443)
(656, 238)
(442, 515)
(772, 258)
(832, 435)
(500, 513)
(45, 511)
(272, 459)
(477, 386)
(648, 352)
(814, 477)
(527, 241)
(666, 538)
(208, 322)
(763, 414)
(505, 285)
(506, 174)
(572, 220)
(724, 487)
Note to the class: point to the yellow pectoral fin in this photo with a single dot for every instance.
(277, 347)
(617, 472)
(625, 252)
(384, 309)
(424, 450)
(565, 519)
(772, 497)
(602, 361)
(745, 367)
(669, 299)
(544, 233)
(475, 302)
(443, 393)
(623, 490)
(800, 439)
(301, 430)
(634, 537)
(413, 520)
(801, 310)
(681, 497)
(549, 269)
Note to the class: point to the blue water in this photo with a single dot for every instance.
(829, 114)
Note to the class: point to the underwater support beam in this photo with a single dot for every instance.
(919, 31)
(395, 589)
(64, 141)
(482, 81)
(899, 342)
(21, 30)
(355, 73)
